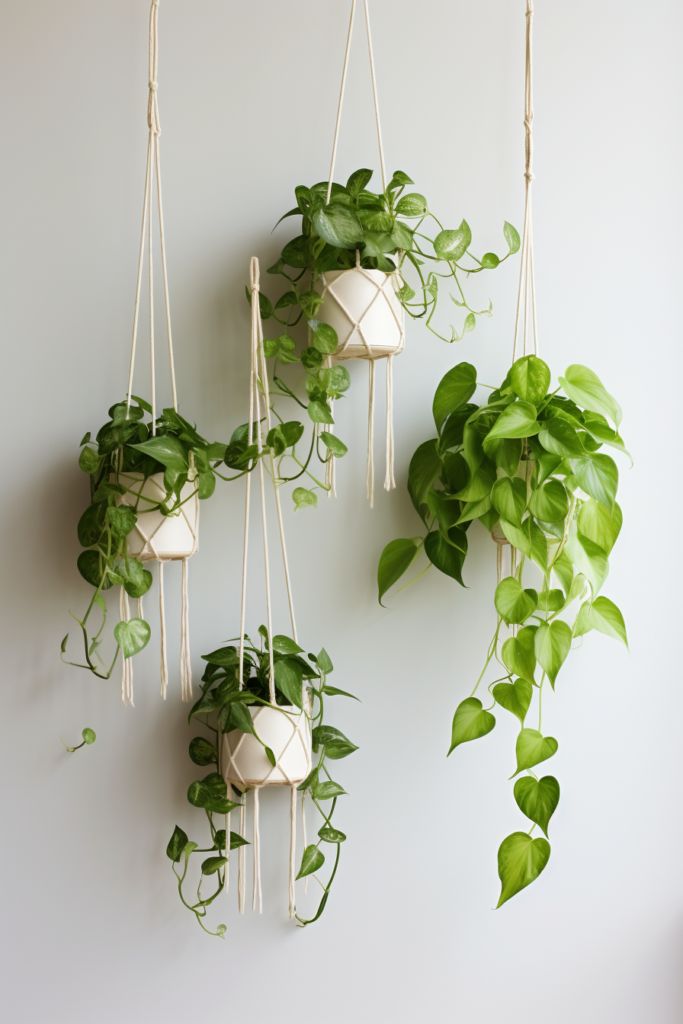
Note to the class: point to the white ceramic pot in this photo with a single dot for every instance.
(365, 311)
(286, 730)
(156, 536)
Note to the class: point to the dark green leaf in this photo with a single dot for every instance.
(311, 861)
(454, 389)
(393, 562)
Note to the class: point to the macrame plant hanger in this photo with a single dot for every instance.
(380, 292)
(525, 338)
(150, 527)
(292, 745)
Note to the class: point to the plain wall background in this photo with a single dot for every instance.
(91, 925)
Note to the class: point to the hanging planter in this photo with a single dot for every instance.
(530, 465)
(360, 262)
(264, 706)
(147, 473)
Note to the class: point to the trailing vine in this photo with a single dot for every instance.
(529, 465)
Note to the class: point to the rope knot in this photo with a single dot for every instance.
(153, 85)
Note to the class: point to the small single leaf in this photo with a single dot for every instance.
(285, 645)
(176, 844)
(324, 337)
(521, 859)
(312, 860)
(559, 437)
(552, 643)
(603, 615)
(320, 412)
(538, 798)
(132, 636)
(513, 603)
(585, 388)
(327, 790)
(393, 562)
(530, 379)
(517, 420)
(331, 835)
(202, 752)
(413, 204)
(514, 697)
(453, 391)
(213, 864)
(333, 444)
(304, 497)
(452, 245)
(511, 235)
(532, 748)
(519, 654)
(236, 840)
(470, 721)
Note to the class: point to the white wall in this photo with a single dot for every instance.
(92, 928)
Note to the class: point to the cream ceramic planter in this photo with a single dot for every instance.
(286, 730)
(365, 311)
(156, 536)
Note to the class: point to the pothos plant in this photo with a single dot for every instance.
(529, 465)
(127, 444)
(392, 230)
(301, 682)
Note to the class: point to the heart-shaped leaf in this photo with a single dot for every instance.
(550, 502)
(167, 450)
(520, 861)
(598, 476)
(514, 697)
(602, 615)
(552, 643)
(538, 798)
(313, 858)
(519, 655)
(600, 524)
(560, 438)
(451, 245)
(393, 562)
(585, 387)
(513, 603)
(517, 420)
(470, 721)
(453, 391)
(508, 497)
(530, 378)
(132, 636)
(447, 555)
(532, 748)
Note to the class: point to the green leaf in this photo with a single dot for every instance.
(598, 476)
(358, 180)
(453, 391)
(585, 388)
(552, 643)
(327, 790)
(136, 579)
(532, 748)
(518, 420)
(89, 460)
(508, 497)
(132, 636)
(447, 555)
(333, 444)
(538, 798)
(323, 337)
(588, 559)
(289, 681)
(550, 502)
(603, 615)
(513, 603)
(324, 661)
(413, 204)
(202, 751)
(92, 567)
(521, 859)
(338, 226)
(470, 722)
(89, 736)
(176, 844)
(518, 653)
(236, 840)
(512, 238)
(320, 412)
(559, 437)
(600, 524)
(167, 450)
(530, 379)
(394, 561)
(285, 645)
(312, 860)
(514, 697)
(302, 497)
(490, 261)
(336, 744)
(452, 245)
(331, 835)
(425, 466)
(213, 864)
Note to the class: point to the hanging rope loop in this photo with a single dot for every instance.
(526, 331)
(342, 91)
